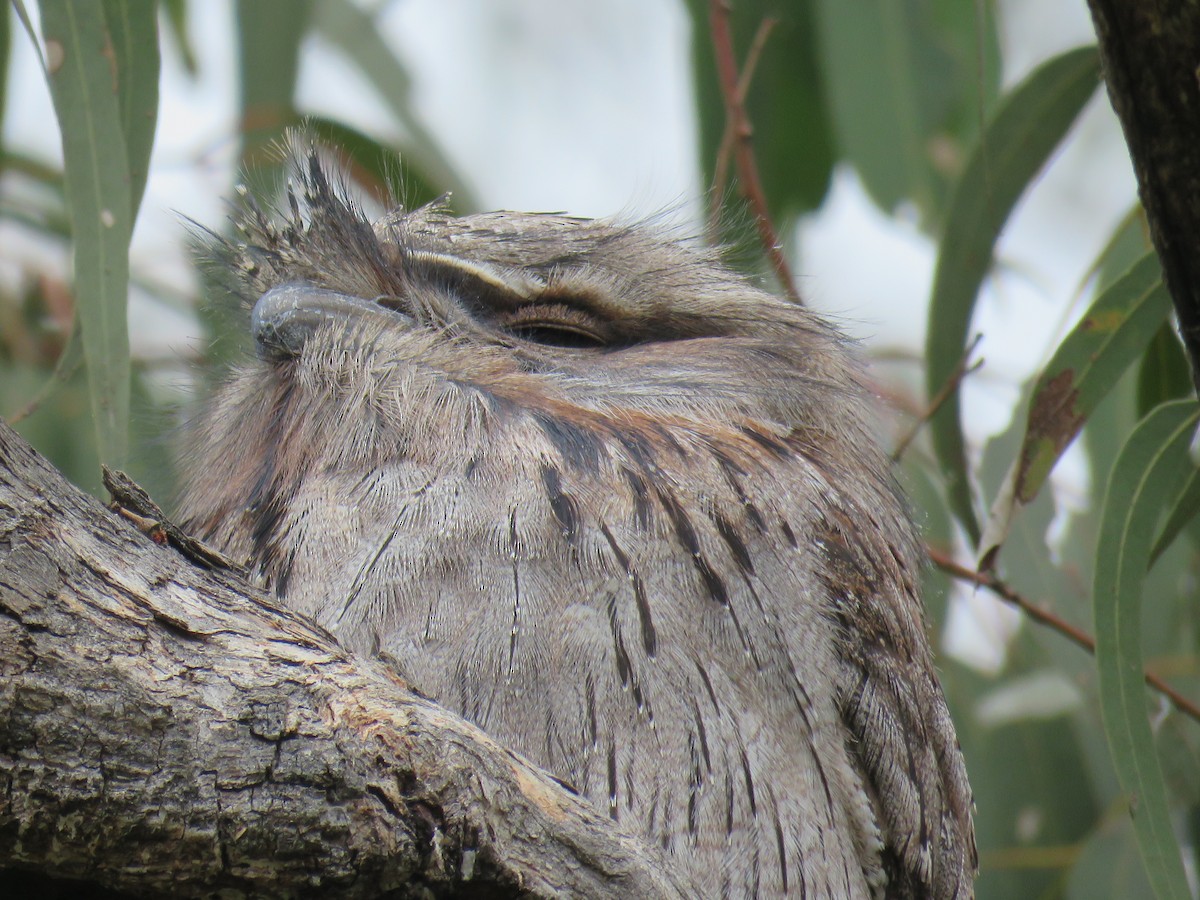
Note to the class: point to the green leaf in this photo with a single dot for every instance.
(1086, 366)
(915, 71)
(374, 166)
(1108, 865)
(23, 16)
(968, 36)
(68, 363)
(1127, 244)
(1029, 123)
(42, 210)
(785, 104)
(177, 27)
(34, 169)
(1018, 862)
(1144, 481)
(1164, 373)
(5, 55)
(871, 51)
(356, 34)
(134, 32)
(59, 427)
(1184, 511)
(269, 37)
(84, 87)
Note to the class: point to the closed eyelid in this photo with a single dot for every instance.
(550, 309)
(538, 318)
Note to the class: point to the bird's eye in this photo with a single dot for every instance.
(556, 325)
(557, 334)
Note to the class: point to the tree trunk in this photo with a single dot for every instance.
(164, 728)
(1151, 55)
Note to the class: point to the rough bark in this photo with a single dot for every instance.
(1151, 54)
(164, 728)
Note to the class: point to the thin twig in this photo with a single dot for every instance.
(1076, 635)
(964, 368)
(747, 168)
(729, 135)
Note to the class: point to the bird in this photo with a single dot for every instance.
(622, 508)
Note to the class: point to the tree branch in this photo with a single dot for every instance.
(1078, 636)
(738, 122)
(168, 730)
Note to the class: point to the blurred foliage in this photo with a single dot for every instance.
(1061, 746)
(785, 105)
(1024, 129)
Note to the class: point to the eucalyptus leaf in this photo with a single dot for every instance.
(1143, 482)
(68, 363)
(1164, 373)
(269, 36)
(85, 91)
(1031, 801)
(1108, 866)
(1183, 511)
(374, 166)
(355, 33)
(1029, 123)
(895, 68)
(133, 32)
(177, 26)
(1085, 367)
(1083, 370)
(1046, 694)
(5, 55)
(792, 139)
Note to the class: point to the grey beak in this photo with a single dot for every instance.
(285, 316)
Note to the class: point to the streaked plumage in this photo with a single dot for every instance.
(611, 502)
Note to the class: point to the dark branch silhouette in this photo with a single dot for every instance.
(1149, 51)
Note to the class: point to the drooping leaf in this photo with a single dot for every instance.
(1164, 373)
(1027, 823)
(33, 168)
(1143, 483)
(968, 34)
(23, 17)
(374, 166)
(1045, 694)
(895, 68)
(792, 139)
(68, 363)
(1029, 123)
(177, 27)
(269, 36)
(1108, 865)
(1184, 510)
(133, 31)
(869, 51)
(1084, 368)
(5, 54)
(1017, 862)
(1127, 244)
(60, 425)
(356, 34)
(43, 209)
(84, 87)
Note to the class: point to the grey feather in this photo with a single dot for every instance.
(621, 508)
